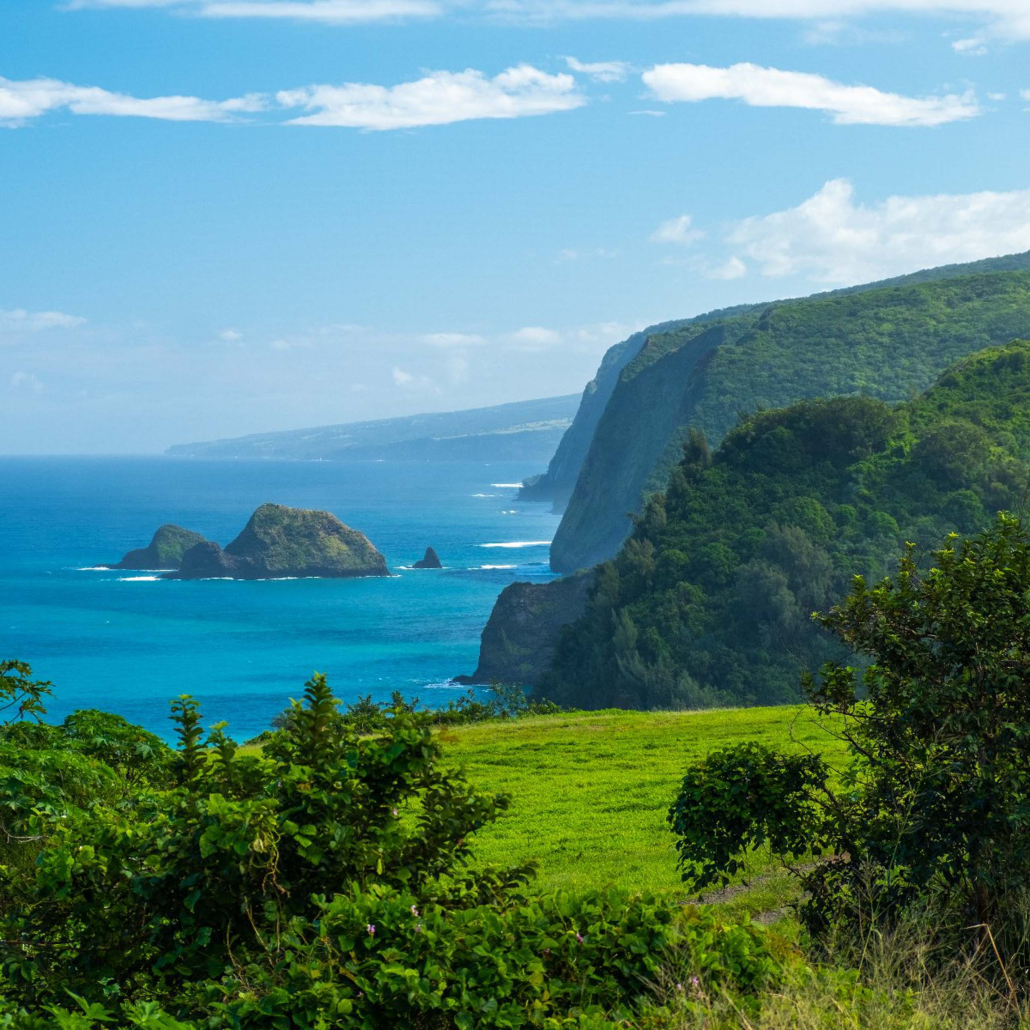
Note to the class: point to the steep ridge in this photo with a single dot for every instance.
(708, 602)
(558, 482)
(887, 341)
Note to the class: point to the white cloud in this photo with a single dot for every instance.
(20, 320)
(534, 337)
(1005, 20)
(327, 12)
(31, 98)
(230, 335)
(26, 381)
(998, 19)
(771, 87)
(997, 97)
(600, 71)
(831, 239)
(1025, 94)
(408, 381)
(676, 230)
(438, 99)
(458, 340)
(649, 113)
(734, 268)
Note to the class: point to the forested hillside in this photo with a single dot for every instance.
(887, 340)
(710, 600)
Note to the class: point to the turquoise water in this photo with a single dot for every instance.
(129, 644)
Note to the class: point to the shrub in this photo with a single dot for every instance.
(938, 726)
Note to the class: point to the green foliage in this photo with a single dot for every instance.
(322, 882)
(938, 726)
(504, 701)
(887, 343)
(21, 696)
(740, 799)
(708, 603)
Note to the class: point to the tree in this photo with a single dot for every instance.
(938, 727)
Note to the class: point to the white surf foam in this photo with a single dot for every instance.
(520, 543)
(93, 568)
(138, 579)
(507, 486)
(498, 566)
(484, 495)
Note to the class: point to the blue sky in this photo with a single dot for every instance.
(229, 216)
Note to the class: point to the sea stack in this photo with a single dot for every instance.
(430, 561)
(165, 550)
(286, 543)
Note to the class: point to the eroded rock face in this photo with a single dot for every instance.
(165, 550)
(285, 543)
(430, 561)
(518, 642)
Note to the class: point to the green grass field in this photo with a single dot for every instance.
(590, 791)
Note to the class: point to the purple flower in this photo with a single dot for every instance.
(418, 928)
(579, 937)
(414, 911)
(395, 811)
(371, 929)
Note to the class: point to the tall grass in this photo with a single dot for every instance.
(919, 975)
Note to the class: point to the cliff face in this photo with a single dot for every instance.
(165, 550)
(280, 542)
(888, 343)
(523, 629)
(557, 483)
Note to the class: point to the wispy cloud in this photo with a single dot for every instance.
(995, 20)
(771, 87)
(437, 99)
(677, 230)
(600, 71)
(457, 340)
(18, 320)
(21, 101)
(326, 12)
(830, 238)
(26, 381)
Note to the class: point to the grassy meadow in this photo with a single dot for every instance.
(590, 792)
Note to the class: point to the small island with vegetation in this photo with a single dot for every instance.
(285, 543)
(164, 552)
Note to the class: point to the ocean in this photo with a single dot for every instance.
(129, 642)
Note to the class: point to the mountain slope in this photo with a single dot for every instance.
(709, 602)
(887, 341)
(521, 431)
(558, 482)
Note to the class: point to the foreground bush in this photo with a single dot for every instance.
(323, 882)
(933, 809)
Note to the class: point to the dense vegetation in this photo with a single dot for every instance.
(931, 812)
(321, 881)
(888, 343)
(709, 602)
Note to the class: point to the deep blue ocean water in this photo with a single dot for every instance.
(128, 644)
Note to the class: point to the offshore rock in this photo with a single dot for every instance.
(165, 550)
(286, 543)
(430, 561)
